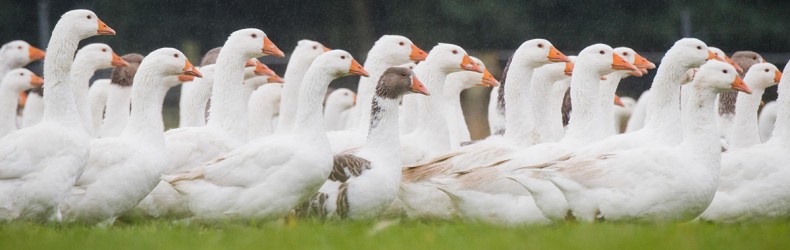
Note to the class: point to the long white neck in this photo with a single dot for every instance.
(781, 133)
(518, 111)
(554, 109)
(34, 110)
(309, 116)
(606, 94)
(192, 106)
(584, 124)
(429, 110)
(700, 132)
(745, 131)
(59, 98)
(261, 116)
(79, 79)
(117, 112)
(663, 109)
(148, 95)
(375, 64)
(229, 97)
(383, 134)
(294, 76)
(456, 124)
(541, 87)
(8, 105)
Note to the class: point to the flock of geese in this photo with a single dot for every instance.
(254, 146)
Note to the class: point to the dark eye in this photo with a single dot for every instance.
(343, 57)
(103, 50)
(724, 71)
(315, 47)
(766, 70)
(403, 75)
(21, 74)
(540, 45)
(625, 53)
(455, 52)
(89, 17)
(699, 47)
(175, 55)
(20, 47)
(254, 36)
(602, 52)
(753, 58)
(345, 94)
(402, 43)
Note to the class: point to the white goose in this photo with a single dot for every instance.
(97, 99)
(364, 183)
(227, 126)
(34, 108)
(17, 54)
(767, 119)
(264, 107)
(122, 170)
(89, 59)
(662, 183)
(39, 164)
(745, 131)
(753, 184)
(192, 105)
(119, 94)
(305, 52)
(338, 102)
(268, 177)
(455, 84)
(15, 81)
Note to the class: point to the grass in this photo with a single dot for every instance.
(400, 235)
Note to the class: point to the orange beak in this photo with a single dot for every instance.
(104, 29)
(618, 102)
(603, 78)
(270, 49)
(643, 63)
(489, 80)
(357, 69)
(250, 63)
(568, 68)
(777, 76)
(468, 64)
(117, 61)
(22, 99)
(185, 78)
(190, 70)
(263, 70)
(35, 54)
(712, 56)
(355, 99)
(417, 87)
(737, 67)
(557, 56)
(275, 79)
(326, 49)
(36, 81)
(417, 54)
(618, 63)
(739, 85)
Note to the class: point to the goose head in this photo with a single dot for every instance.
(85, 23)
(719, 77)
(397, 49)
(720, 55)
(343, 98)
(339, 63)
(629, 55)
(307, 50)
(19, 53)
(210, 57)
(539, 52)
(99, 56)
(399, 81)
(746, 59)
(638, 60)
(21, 79)
(124, 76)
(451, 58)
(556, 71)
(763, 75)
(690, 52)
(171, 62)
(255, 68)
(602, 59)
(467, 79)
(253, 43)
(409, 65)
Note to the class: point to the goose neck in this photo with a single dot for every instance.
(781, 133)
(309, 115)
(294, 76)
(606, 94)
(192, 106)
(261, 115)
(375, 65)
(584, 123)
(61, 107)
(8, 106)
(518, 111)
(700, 132)
(664, 103)
(117, 111)
(383, 133)
(540, 94)
(148, 95)
(745, 130)
(229, 96)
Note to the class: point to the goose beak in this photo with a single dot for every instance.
(568, 68)
(190, 70)
(642, 63)
(35, 54)
(117, 61)
(357, 69)
(104, 29)
(417, 87)
(468, 64)
(603, 78)
(637, 73)
(326, 49)
(737, 67)
(739, 85)
(186, 78)
(36, 81)
(250, 63)
(263, 70)
(489, 80)
(618, 63)
(270, 49)
(417, 54)
(618, 102)
(777, 76)
(557, 56)
(22, 99)
(712, 56)
(275, 79)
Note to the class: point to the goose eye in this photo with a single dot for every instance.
(20, 47)
(699, 47)
(625, 53)
(343, 57)
(455, 52)
(402, 43)
(602, 52)
(21, 74)
(766, 70)
(753, 58)
(175, 55)
(724, 71)
(103, 50)
(315, 47)
(540, 45)
(404, 75)
(345, 94)
(89, 17)
(254, 36)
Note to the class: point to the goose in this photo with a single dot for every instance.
(122, 170)
(268, 177)
(194, 99)
(119, 94)
(305, 52)
(97, 99)
(432, 137)
(556, 120)
(17, 54)
(89, 59)
(609, 86)
(496, 104)
(362, 184)
(726, 101)
(541, 87)
(767, 120)
(388, 51)
(455, 84)
(264, 106)
(14, 82)
(753, 183)
(339, 101)
(745, 131)
(34, 108)
(654, 183)
(226, 128)
(39, 164)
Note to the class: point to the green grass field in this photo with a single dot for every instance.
(398, 235)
